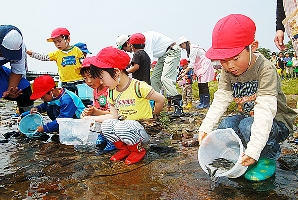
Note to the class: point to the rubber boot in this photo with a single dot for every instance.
(178, 108)
(262, 170)
(200, 105)
(204, 101)
(187, 106)
(101, 142)
(110, 146)
(138, 152)
(122, 153)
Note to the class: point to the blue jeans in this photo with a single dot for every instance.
(242, 127)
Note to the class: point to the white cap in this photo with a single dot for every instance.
(182, 40)
(11, 41)
(121, 40)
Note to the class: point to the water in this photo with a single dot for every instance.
(33, 169)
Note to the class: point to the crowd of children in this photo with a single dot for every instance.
(121, 99)
(286, 64)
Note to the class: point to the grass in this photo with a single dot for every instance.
(289, 87)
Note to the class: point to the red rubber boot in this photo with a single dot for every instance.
(122, 153)
(138, 152)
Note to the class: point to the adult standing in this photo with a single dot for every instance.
(13, 51)
(201, 66)
(164, 74)
(286, 20)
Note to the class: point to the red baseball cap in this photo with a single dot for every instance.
(58, 32)
(154, 62)
(86, 62)
(110, 57)
(137, 38)
(183, 62)
(230, 36)
(41, 86)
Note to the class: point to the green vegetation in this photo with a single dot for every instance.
(289, 87)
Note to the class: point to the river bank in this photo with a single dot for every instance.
(34, 169)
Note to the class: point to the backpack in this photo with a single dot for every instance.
(136, 87)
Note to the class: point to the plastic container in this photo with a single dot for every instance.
(222, 143)
(85, 92)
(90, 145)
(74, 131)
(29, 124)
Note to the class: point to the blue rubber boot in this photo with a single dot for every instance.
(201, 104)
(101, 142)
(110, 146)
(204, 101)
(262, 170)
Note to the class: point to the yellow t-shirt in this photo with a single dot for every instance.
(68, 63)
(129, 105)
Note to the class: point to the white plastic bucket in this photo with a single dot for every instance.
(222, 143)
(73, 131)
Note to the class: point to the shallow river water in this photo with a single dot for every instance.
(34, 169)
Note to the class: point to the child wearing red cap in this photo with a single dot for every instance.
(164, 74)
(248, 78)
(202, 68)
(129, 101)
(185, 81)
(68, 59)
(140, 63)
(100, 109)
(58, 102)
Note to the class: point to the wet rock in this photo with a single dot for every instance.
(289, 162)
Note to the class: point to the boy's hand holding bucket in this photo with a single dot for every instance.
(202, 135)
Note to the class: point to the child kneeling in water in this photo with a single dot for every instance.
(129, 101)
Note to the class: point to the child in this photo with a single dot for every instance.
(186, 83)
(58, 102)
(264, 119)
(68, 59)
(24, 103)
(100, 109)
(129, 101)
(83, 48)
(140, 64)
(289, 65)
(165, 71)
(201, 66)
(152, 65)
(295, 65)
(280, 65)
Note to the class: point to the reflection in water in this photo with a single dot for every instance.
(36, 169)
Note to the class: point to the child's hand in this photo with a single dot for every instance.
(88, 111)
(246, 160)
(40, 129)
(33, 110)
(29, 52)
(202, 135)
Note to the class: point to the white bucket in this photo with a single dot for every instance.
(222, 143)
(73, 131)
